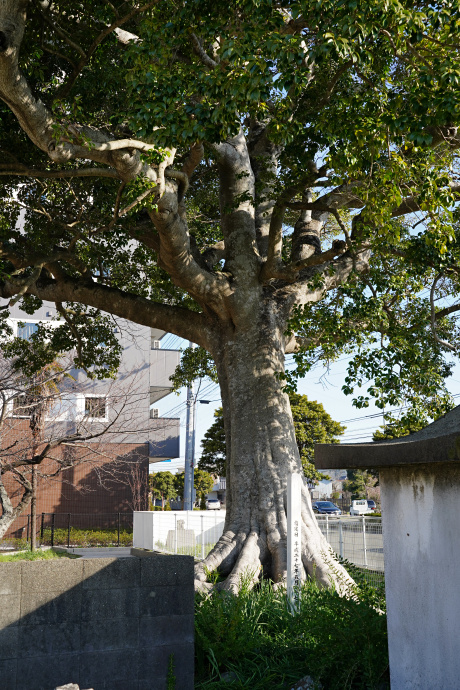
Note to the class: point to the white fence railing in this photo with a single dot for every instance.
(191, 532)
(357, 539)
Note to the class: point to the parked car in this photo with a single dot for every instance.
(371, 505)
(326, 508)
(213, 504)
(359, 507)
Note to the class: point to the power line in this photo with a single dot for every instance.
(379, 414)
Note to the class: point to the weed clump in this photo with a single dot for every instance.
(253, 640)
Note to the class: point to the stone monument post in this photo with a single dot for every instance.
(420, 492)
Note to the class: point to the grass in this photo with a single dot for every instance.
(252, 640)
(38, 555)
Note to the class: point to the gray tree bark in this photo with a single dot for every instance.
(261, 454)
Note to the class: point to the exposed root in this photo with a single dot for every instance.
(204, 587)
(241, 556)
(222, 556)
(247, 567)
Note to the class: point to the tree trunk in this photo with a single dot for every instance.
(261, 453)
(10, 514)
(33, 511)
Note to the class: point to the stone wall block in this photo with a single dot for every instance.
(51, 638)
(162, 601)
(9, 641)
(91, 623)
(166, 630)
(10, 578)
(99, 604)
(8, 674)
(161, 569)
(110, 573)
(157, 663)
(101, 670)
(50, 607)
(39, 576)
(111, 634)
(10, 609)
(47, 672)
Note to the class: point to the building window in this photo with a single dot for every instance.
(95, 407)
(24, 404)
(26, 329)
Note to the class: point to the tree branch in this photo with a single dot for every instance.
(80, 172)
(236, 200)
(66, 88)
(193, 160)
(175, 256)
(182, 322)
(38, 123)
(204, 57)
(274, 266)
(439, 340)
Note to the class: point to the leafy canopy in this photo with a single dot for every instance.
(368, 91)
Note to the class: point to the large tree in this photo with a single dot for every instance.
(312, 424)
(163, 486)
(239, 174)
(202, 483)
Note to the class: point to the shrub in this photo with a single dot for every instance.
(13, 543)
(258, 643)
(88, 537)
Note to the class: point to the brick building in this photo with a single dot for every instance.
(108, 474)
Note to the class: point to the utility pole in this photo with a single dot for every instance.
(189, 446)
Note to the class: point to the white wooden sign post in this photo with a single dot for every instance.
(294, 538)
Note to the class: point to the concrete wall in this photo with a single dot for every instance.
(104, 623)
(420, 505)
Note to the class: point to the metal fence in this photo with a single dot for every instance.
(356, 539)
(76, 529)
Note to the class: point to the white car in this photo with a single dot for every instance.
(359, 507)
(213, 504)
